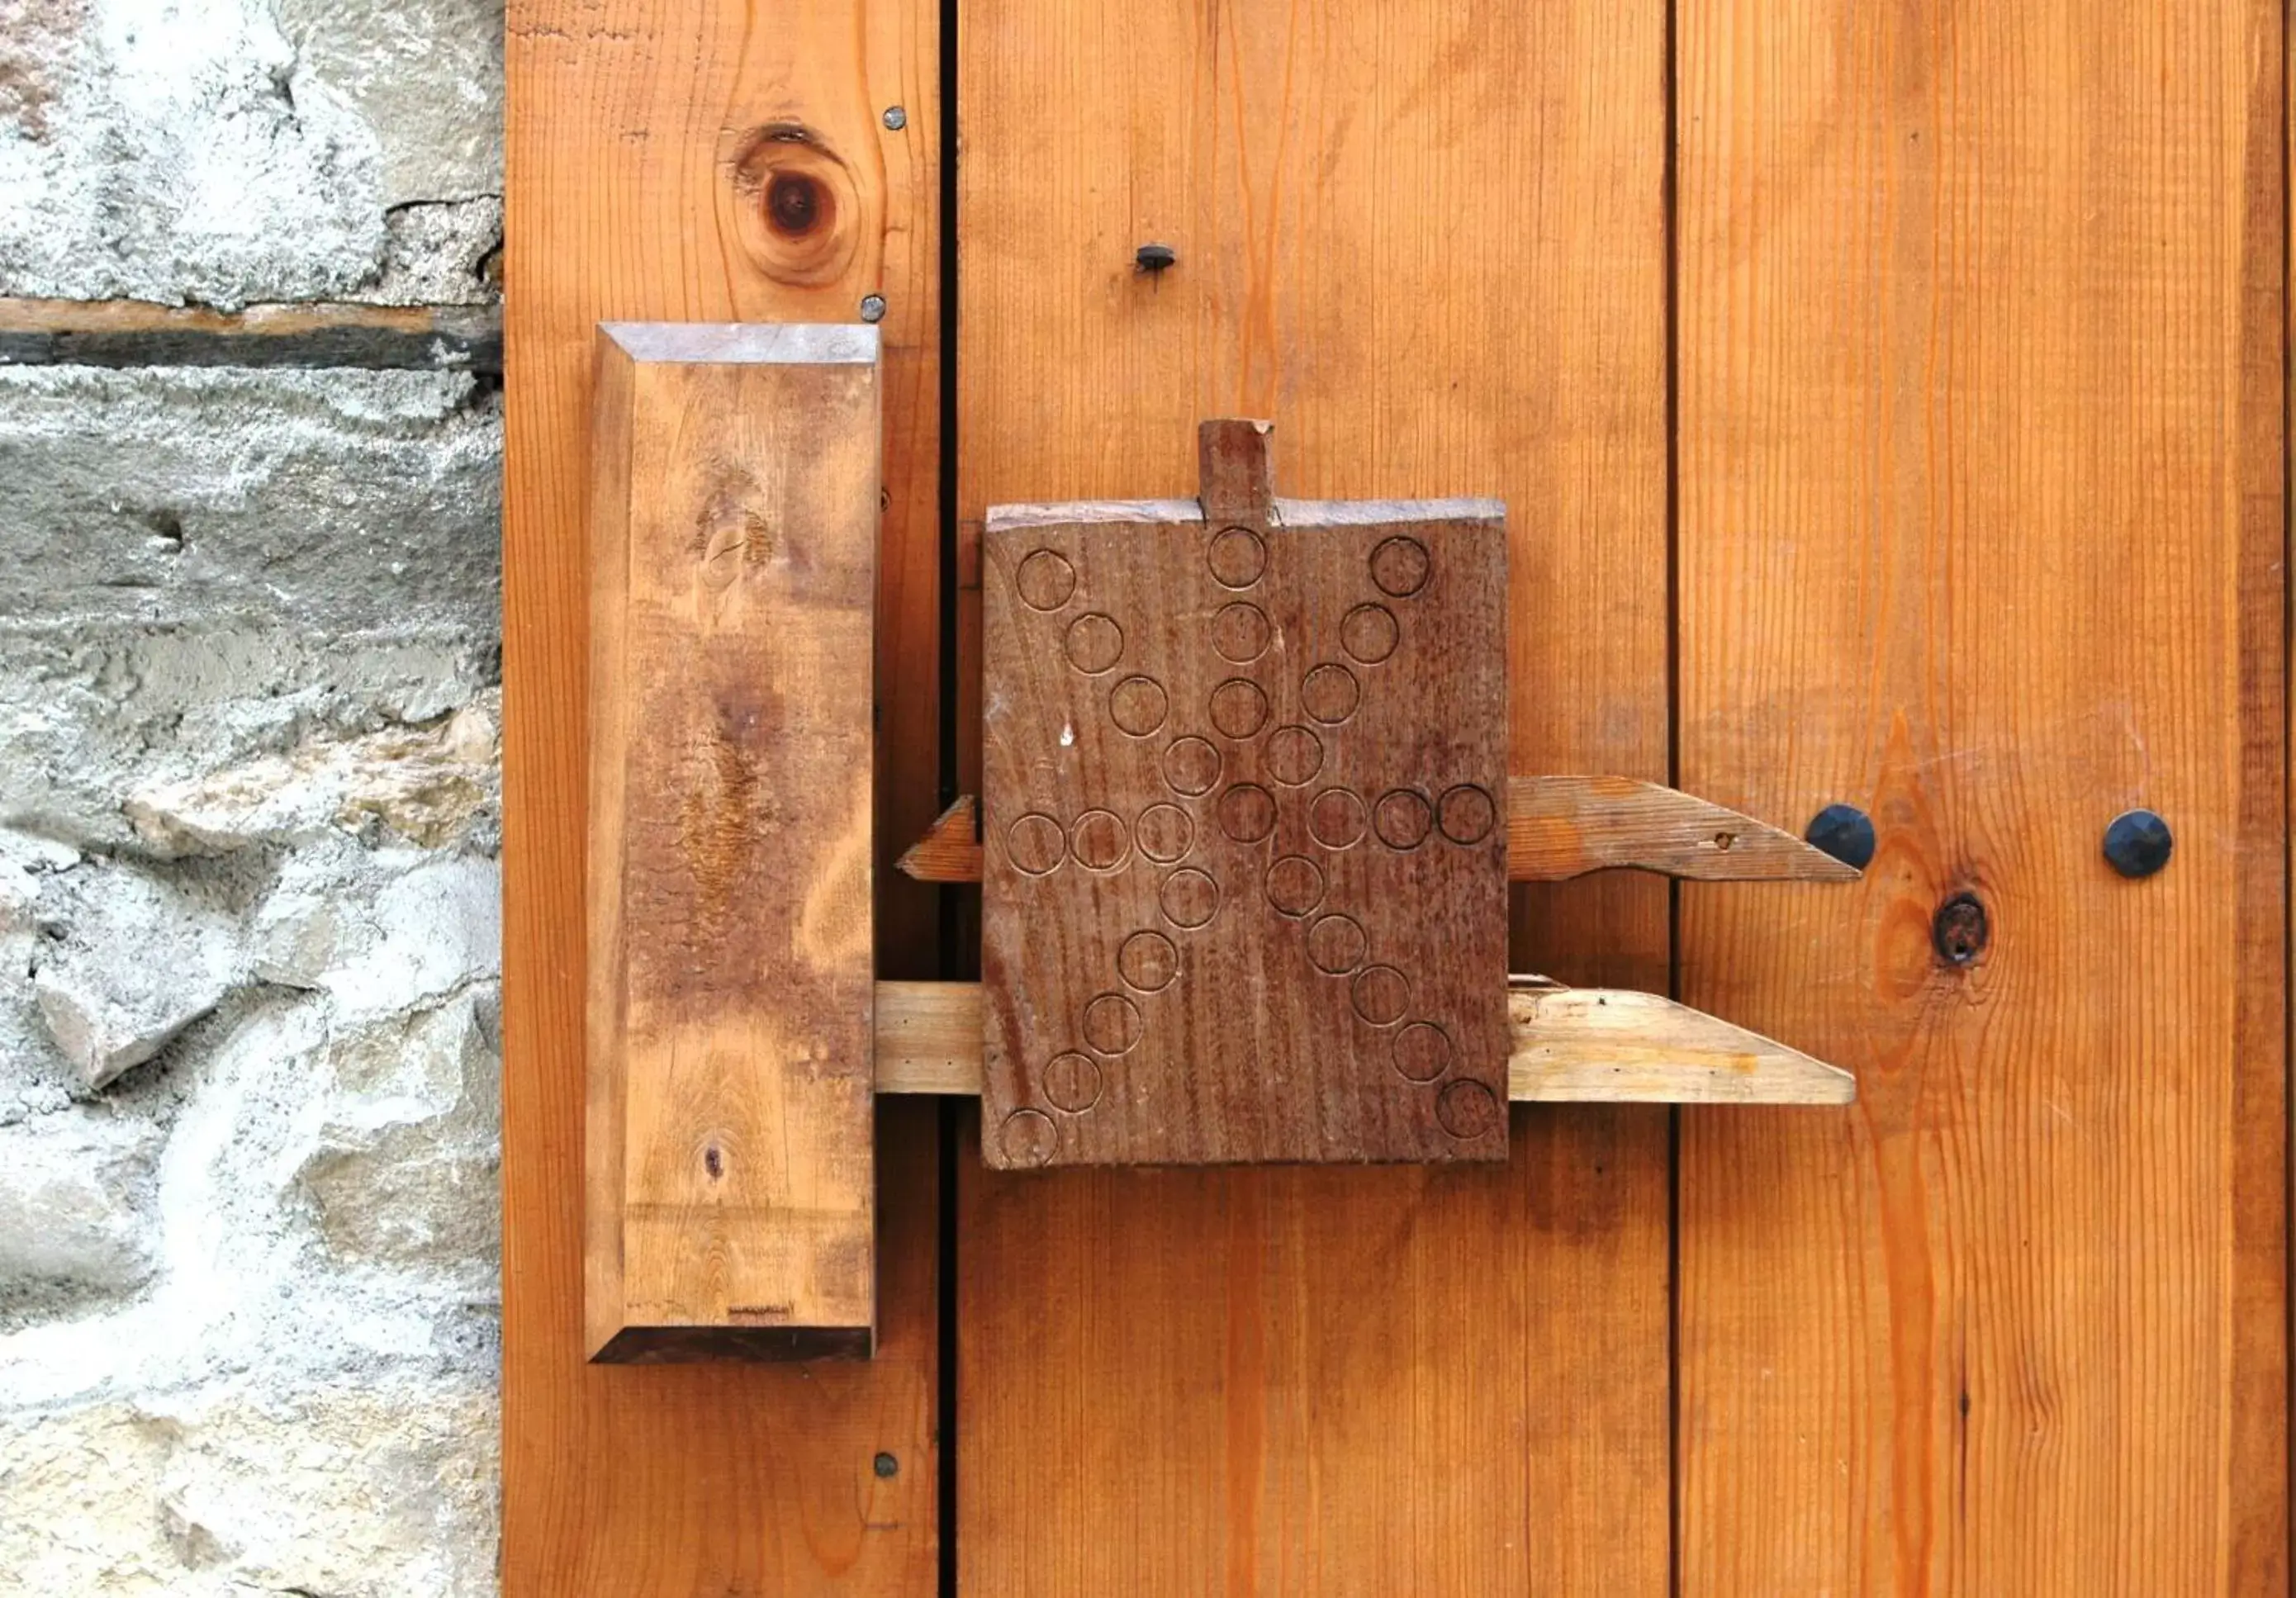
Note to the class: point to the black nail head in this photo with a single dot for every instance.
(1154, 258)
(1960, 930)
(885, 1464)
(1843, 831)
(2138, 843)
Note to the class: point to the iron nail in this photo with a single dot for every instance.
(1845, 832)
(2138, 843)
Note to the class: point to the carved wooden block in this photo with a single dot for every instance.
(728, 1209)
(1245, 865)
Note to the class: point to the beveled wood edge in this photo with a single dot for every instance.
(1557, 827)
(1582, 1046)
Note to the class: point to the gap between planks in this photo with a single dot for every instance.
(1571, 1045)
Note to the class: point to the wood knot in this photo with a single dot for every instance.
(797, 204)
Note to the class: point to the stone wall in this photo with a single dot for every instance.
(249, 925)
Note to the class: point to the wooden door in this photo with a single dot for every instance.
(1889, 400)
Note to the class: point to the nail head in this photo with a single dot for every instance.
(897, 118)
(873, 308)
(1154, 258)
(886, 1465)
(1844, 832)
(1962, 929)
(2138, 843)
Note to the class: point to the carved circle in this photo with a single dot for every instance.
(1465, 814)
(1399, 566)
(1028, 1137)
(1072, 1081)
(1330, 694)
(1402, 818)
(1112, 1024)
(1294, 756)
(1247, 813)
(1095, 643)
(1368, 633)
(1136, 705)
(800, 210)
(1044, 581)
(1240, 632)
(1295, 884)
(1192, 765)
(1035, 844)
(1336, 943)
(1189, 897)
(1237, 558)
(1148, 961)
(1381, 994)
(1467, 1109)
(1422, 1052)
(1099, 840)
(1336, 819)
(1239, 707)
(1164, 832)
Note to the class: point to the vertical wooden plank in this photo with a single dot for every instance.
(730, 1202)
(1981, 493)
(1428, 242)
(702, 160)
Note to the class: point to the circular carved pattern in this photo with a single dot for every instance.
(1112, 1023)
(1382, 994)
(1295, 884)
(1467, 1110)
(1294, 756)
(1399, 566)
(1422, 1052)
(1099, 840)
(1466, 814)
(1239, 707)
(1401, 818)
(1191, 766)
(1095, 643)
(1190, 898)
(1148, 961)
(1044, 580)
(1247, 813)
(1164, 832)
(1336, 943)
(1237, 558)
(1240, 632)
(1330, 694)
(1368, 633)
(1072, 1081)
(1136, 705)
(1034, 843)
(1028, 1137)
(1336, 819)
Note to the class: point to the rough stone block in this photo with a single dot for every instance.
(128, 962)
(76, 1194)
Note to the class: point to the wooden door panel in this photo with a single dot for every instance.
(1428, 241)
(1980, 525)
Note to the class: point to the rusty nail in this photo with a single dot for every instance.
(1961, 929)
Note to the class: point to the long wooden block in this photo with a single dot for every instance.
(729, 1171)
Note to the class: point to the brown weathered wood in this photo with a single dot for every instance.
(1567, 1046)
(134, 333)
(1558, 827)
(1244, 892)
(729, 1202)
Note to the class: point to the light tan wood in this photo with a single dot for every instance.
(1981, 530)
(626, 199)
(729, 1203)
(1569, 1047)
(1429, 240)
(1558, 827)
(1245, 893)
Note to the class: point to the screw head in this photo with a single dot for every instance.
(1844, 832)
(886, 1465)
(897, 118)
(2138, 843)
(873, 308)
(1154, 258)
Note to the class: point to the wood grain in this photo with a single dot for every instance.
(643, 140)
(1428, 241)
(728, 1117)
(1567, 1046)
(1982, 530)
(1558, 828)
(1245, 886)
